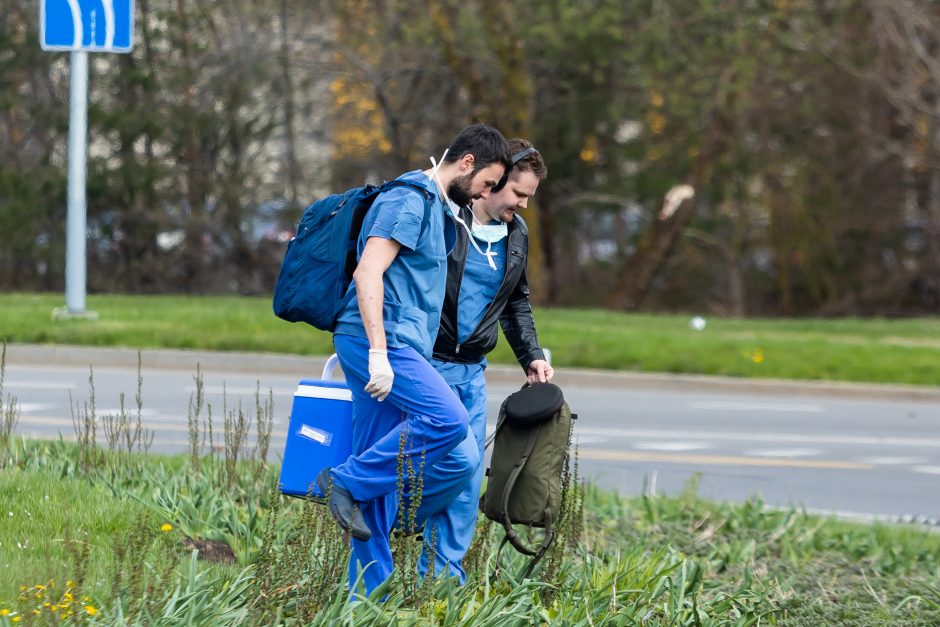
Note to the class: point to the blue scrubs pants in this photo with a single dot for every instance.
(454, 519)
(435, 421)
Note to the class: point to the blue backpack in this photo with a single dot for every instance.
(320, 259)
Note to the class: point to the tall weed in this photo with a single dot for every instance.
(9, 410)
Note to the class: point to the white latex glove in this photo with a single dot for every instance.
(380, 373)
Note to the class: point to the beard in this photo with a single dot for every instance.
(459, 190)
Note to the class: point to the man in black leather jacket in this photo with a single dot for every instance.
(486, 283)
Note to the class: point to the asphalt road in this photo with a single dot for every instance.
(856, 450)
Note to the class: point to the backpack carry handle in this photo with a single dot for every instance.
(529, 409)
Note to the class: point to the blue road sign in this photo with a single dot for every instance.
(93, 25)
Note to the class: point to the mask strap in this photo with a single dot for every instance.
(438, 165)
(454, 209)
(489, 256)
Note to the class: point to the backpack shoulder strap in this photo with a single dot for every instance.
(387, 185)
(499, 426)
(427, 196)
(511, 535)
(507, 492)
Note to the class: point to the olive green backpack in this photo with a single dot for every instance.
(531, 444)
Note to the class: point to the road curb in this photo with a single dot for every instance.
(311, 367)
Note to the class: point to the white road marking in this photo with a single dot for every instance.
(131, 410)
(28, 427)
(895, 461)
(671, 446)
(38, 385)
(760, 437)
(787, 453)
(928, 470)
(692, 459)
(242, 391)
(765, 407)
(31, 407)
(865, 517)
(589, 440)
(275, 452)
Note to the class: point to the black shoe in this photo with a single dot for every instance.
(343, 508)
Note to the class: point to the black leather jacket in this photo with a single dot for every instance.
(510, 305)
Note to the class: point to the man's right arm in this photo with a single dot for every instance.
(519, 327)
(377, 256)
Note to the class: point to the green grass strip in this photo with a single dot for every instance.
(870, 350)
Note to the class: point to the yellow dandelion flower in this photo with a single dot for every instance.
(16, 619)
(68, 597)
(166, 527)
(46, 604)
(91, 610)
(54, 608)
(70, 584)
(4, 612)
(24, 588)
(37, 612)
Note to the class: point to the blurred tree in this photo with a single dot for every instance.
(32, 150)
(808, 130)
(906, 36)
(496, 77)
(412, 81)
(393, 101)
(576, 56)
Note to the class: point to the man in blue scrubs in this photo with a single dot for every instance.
(384, 339)
(486, 283)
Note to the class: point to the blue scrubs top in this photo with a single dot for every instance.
(477, 290)
(479, 286)
(416, 279)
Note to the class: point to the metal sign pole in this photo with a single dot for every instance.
(78, 154)
(80, 26)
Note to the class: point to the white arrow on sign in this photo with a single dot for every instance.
(78, 25)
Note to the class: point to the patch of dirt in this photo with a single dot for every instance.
(214, 551)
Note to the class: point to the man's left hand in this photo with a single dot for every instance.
(540, 371)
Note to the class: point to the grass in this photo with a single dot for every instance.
(647, 560)
(39, 506)
(872, 350)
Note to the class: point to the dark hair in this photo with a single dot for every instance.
(485, 143)
(526, 158)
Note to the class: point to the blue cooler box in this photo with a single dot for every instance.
(320, 432)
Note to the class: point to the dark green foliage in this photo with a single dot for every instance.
(808, 130)
(662, 560)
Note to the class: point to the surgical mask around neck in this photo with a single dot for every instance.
(455, 211)
(490, 233)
